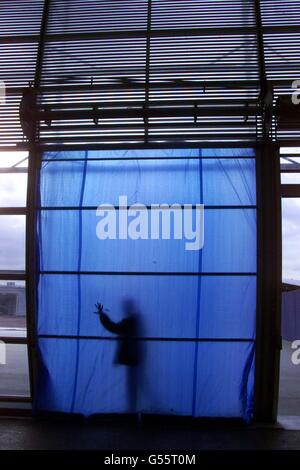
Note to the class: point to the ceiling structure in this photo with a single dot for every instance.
(136, 72)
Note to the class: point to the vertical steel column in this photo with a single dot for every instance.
(31, 220)
(268, 318)
(264, 88)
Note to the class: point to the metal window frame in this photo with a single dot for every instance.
(32, 202)
(20, 276)
(268, 334)
(268, 317)
(290, 190)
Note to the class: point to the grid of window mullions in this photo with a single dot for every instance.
(13, 275)
(46, 160)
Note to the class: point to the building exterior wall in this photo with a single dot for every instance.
(16, 307)
(291, 315)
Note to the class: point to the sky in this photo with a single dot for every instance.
(12, 228)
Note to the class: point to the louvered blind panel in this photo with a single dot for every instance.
(20, 22)
(87, 16)
(10, 129)
(204, 58)
(285, 134)
(17, 63)
(77, 62)
(178, 58)
(17, 68)
(282, 55)
(202, 14)
(80, 130)
(20, 17)
(280, 12)
(282, 51)
(124, 55)
(282, 48)
(227, 92)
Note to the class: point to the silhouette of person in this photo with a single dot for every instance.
(128, 351)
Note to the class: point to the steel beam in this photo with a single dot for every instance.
(268, 319)
(31, 220)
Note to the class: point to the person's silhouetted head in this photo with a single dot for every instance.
(129, 307)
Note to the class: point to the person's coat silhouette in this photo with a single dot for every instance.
(128, 349)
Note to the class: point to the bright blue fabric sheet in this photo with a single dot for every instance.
(208, 294)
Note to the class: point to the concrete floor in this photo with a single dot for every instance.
(32, 435)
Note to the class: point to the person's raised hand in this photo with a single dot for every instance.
(99, 308)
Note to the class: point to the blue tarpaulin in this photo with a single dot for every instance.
(196, 308)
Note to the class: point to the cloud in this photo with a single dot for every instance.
(13, 187)
(12, 242)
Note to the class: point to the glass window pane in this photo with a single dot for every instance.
(9, 159)
(12, 309)
(288, 150)
(14, 373)
(12, 242)
(290, 178)
(13, 187)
